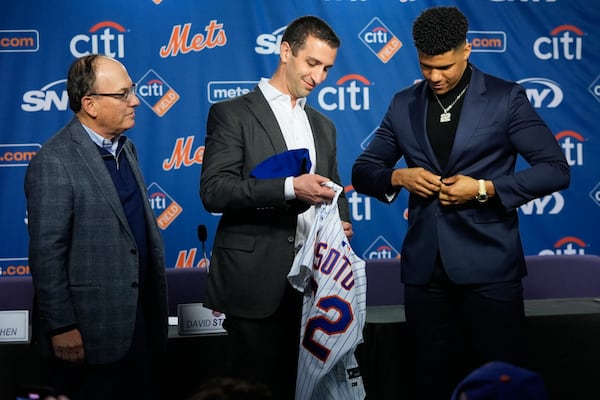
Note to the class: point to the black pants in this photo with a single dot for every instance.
(135, 376)
(124, 380)
(457, 328)
(266, 350)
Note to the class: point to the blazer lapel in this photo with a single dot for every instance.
(88, 152)
(473, 106)
(418, 115)
(264, 115)
(319, 139)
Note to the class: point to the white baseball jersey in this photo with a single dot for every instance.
(334, 283)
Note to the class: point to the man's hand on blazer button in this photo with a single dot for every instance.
(458, 189)
(417, 180)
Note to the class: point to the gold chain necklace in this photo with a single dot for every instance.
(446, 116)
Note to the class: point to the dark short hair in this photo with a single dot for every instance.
(81, 79)
(440, 29)
(299, 29)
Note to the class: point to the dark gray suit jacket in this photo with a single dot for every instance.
(254, 244)
(82, 253)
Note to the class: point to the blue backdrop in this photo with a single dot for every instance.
(186, 54)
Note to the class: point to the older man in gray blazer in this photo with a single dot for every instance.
(96, 254)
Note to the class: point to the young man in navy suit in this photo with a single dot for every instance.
(460, 132)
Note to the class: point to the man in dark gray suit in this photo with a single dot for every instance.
(265, 221)
(96, 254)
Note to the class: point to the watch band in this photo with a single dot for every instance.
(482, 195)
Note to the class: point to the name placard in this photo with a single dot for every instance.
(195, 319)
(14, 326)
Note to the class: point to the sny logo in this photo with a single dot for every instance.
(44, 98)
(269, 43)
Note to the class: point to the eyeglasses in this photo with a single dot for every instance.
(126, 95)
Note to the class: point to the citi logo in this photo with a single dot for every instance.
(366, 141)
(52, 96)
(542, 92)
(595, 194)
(380, 40)
(269, 43)
(380, 249)
(352, 92)
(156, 93)
(19, 40)
(565, 43)
(360, 206)
(551, 204)
(105, 37)
(569, 245)
(219, 91)
(165, 208)
(594, 88)
(572, 144)
(487, 41)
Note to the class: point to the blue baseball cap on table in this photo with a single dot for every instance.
(498, 380)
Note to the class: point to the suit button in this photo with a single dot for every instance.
(133, 251)
(134, 285)
(291, 239)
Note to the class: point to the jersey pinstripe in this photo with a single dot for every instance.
(334, 283)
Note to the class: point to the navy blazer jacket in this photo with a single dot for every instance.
(478, 243)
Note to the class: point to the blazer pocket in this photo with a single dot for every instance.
(489, 214)
(235, 241)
